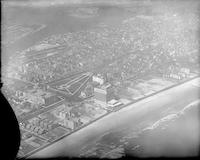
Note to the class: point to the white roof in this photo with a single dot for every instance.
(113, 101)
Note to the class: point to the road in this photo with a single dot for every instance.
(134, 114)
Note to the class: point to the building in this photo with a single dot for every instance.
(88, 91)
(69, 124)
(114, 103)
(98, 79)
(185, 70)
(50, 99)
(103, 94)
(62, 112)
(83, 94)
(35, 100)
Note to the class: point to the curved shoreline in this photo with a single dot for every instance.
(98, 127)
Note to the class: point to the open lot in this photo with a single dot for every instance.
(147, 87)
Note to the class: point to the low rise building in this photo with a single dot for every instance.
(69, 124)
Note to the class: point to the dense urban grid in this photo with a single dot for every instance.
(67, 81)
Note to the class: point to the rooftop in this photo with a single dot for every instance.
(104, 86)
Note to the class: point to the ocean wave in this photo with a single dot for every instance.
(171, 117)
(162, 122)
(189, 107)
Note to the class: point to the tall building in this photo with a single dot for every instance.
(103, 93)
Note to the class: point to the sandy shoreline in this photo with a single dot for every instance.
(72, 144)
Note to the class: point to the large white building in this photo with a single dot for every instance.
(98, 78)
(103, 94)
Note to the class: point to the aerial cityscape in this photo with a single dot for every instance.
(102, 79)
